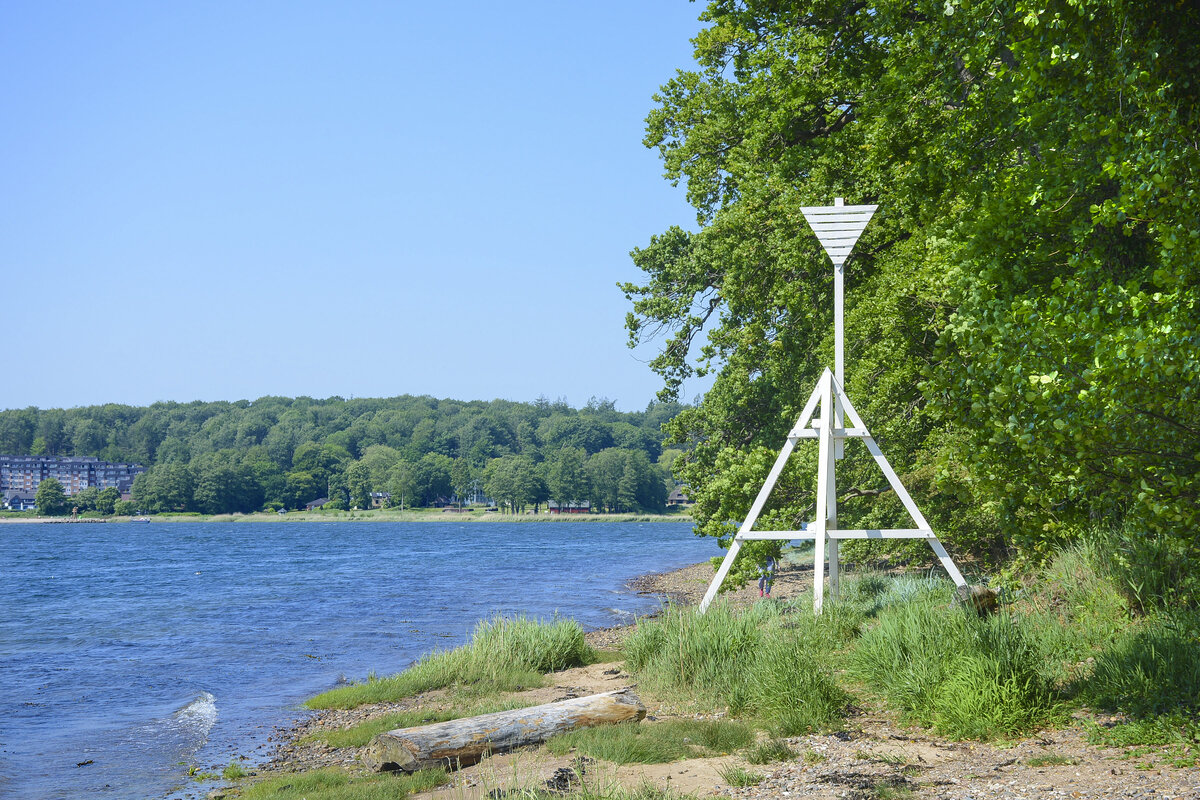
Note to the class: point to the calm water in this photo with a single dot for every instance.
(138, 650)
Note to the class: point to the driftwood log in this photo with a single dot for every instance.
(462, 742)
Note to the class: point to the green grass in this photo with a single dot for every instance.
(661, 743)
(739, 776)
(234, 772)
(503, 655)
(1051, 760)
(962, 676)
(769, 752)
(335, 784)
(761, 662)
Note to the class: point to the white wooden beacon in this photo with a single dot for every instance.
(838, 228)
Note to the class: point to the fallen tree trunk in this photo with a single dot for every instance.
(462, 742)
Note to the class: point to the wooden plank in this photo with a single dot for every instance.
(462, 742)
(829, 211)
(774, 535)
(719, 578)
(882, 533)
(824, 476)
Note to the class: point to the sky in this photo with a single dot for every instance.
(226, 200)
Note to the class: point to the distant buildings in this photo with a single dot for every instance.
(20, 475)
(554, 507)
(679, 499)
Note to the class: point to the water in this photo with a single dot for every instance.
(139, 651)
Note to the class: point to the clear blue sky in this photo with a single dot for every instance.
(225, 200)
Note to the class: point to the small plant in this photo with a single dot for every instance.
(1051, 760)
(234, 772)
(812, 757)
(893, 791)
(739, 776)
(770, 751)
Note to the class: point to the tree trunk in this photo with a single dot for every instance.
(462, 742)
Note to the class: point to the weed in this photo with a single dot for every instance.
(1175, 728)
(770, 751)
(234, 772)
(893, 791)
(740, 777)
(1051, 760)
(813, 757)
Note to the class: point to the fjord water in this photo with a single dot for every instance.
(132, 652)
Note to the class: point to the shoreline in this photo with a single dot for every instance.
(374, 515)
(684, 586)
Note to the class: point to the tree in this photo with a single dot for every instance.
(107, 499)
(1023, 312)
(164, 487)
(565, 476)
(402, 483)
(358, 478)
(51, 500)
(513, 481)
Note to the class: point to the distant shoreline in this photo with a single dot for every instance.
(377, 515)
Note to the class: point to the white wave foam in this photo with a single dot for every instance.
(198, 716)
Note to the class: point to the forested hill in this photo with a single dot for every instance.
(282, 452)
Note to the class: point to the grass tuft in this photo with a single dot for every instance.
(503, 655)
(631, 743)
(769, 752)
(335, 784)
(739, 776)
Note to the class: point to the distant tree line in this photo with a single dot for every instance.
(282, 453)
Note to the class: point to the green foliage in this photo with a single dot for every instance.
(736, 775)
(51, 499)
(770, 751)
(503, 655)
(1023, 313)
(336, 784)
(963, 676)
(284, 453)
(672, 740)
(749, 661)
(1152, 669)
(234, 772)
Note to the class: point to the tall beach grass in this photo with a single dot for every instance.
(503, 655)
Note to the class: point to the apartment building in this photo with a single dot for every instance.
(75, 473)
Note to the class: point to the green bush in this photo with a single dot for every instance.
(503, 655)
(1155, 569)
(963, 676)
